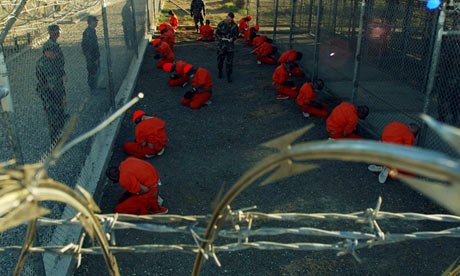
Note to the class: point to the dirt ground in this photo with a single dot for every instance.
(211, 148)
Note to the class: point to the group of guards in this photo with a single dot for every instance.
(137, 176)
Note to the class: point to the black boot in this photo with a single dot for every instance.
(220, 74)
(229, 77)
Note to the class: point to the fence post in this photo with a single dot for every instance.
(136, 50)
(357, 67)
(292, 26)
(257, 11)
(310, 15)
(110, 85)
(319, 11)
(275, 21)
(406, 34)
(434, 58)
(334, 16)
(8, 109)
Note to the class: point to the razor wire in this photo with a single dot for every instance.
(242, 228)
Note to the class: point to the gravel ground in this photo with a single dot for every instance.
(211, 148)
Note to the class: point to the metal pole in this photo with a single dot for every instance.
(435, 58)
(357, 68)
(133, 13)
(257, 11)
(275, 21)
(291, 29)
(110, 85)
(406, 34)
(310, 15)
(334, 16)
(319, 11)
(7, 110)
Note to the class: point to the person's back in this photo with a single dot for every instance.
(202, 79)
(398, 133)
(343, 118)
(288, 56)
(135, 172)
(152, 130)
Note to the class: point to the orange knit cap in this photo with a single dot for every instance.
(256, 27)
(187, 68)
(156, 42)
(167, 67)
(137, 114)
(249, 17)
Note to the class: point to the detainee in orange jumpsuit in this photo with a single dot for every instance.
(265, 53)
(291, 57)
(151, 137)
(173, 21)
(400, 134)
(164, 53)
(178, 76)
(250, 34)
(167, 34)
(285, 87)
(243, 24)
(306, 100)
(342, 122)
(141, 180)
(201, 88)
(259, 39)
(207, 32)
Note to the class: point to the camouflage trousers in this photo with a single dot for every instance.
(54, 106)
(93, 72)
(227, 56)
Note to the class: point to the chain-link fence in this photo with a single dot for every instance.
(72, 69)
(374, 52)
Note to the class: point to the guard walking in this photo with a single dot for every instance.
(226, 33)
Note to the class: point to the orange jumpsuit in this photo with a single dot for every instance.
(264, 53)
(150, 138)
(167, 55)
(280, 76)
(203, 84)
(398, 133)
(343, 119)
(249, 35)
(180, 77)
(290, 57)
(207, 33)
(169, 38)
(174, 22)
(306, 95)
(134, 173)
(243, 25)
(258, 40)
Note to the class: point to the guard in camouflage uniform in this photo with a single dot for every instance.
(90, 49)
(50, 87)
(195, 11)
(226, 34)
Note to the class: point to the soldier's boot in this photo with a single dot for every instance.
(229, 77)
(220, 73)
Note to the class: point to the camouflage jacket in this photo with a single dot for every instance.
(59, 62)
(48, 78)
(226, 31)
(196, 6)
(89, 44)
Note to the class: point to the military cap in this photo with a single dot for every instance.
(54, 28)
(231, 15)
(92, 18)
(50, 46)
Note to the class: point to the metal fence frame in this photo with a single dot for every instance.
(401, 42)
(21, 40)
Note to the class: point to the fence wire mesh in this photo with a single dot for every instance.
(51, 82)
(392, 70)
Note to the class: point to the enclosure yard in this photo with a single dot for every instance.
(209, 149)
